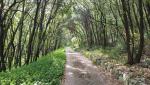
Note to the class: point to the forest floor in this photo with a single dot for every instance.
(114, 61)
(80, 71)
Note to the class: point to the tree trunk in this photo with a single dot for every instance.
(40, 30)
(141, 31)
(2, 57)
(127, 31)
(30, 43)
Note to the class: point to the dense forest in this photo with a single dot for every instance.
(30, 29)
(111, 23)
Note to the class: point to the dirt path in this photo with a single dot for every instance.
(80, 71)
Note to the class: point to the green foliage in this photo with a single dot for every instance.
(111, 53)
(114, 52)
(46, 71)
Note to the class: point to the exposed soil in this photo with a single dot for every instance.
(80, 71)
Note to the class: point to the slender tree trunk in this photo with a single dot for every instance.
(20, 35)
(2, 57)
(141, 31)
(31, 38)
(40, 30)
(127, 31)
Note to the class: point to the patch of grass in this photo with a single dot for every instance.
(114, 54)
(48, 70)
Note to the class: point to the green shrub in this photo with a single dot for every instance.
(48, 70)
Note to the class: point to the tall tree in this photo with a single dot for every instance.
(141, 31)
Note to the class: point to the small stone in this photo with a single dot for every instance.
(98, 61)
(133, 81)
(126, 76)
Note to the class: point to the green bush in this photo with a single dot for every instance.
(48, 70)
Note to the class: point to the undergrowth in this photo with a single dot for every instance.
(48, 70)
(114, 53)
